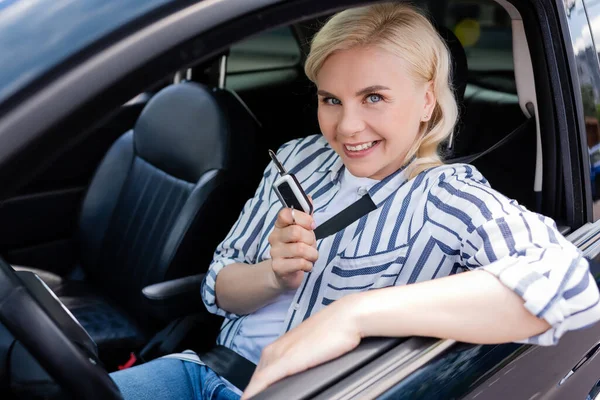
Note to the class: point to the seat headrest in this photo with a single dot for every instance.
(460, 68)
(182, 131)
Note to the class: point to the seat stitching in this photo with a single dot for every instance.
(128, 266)
(158, 216)
(175, 211)
(132, 217)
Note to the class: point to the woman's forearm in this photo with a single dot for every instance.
(472, 307)
(242, 288)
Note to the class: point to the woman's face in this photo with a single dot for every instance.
(370, 109)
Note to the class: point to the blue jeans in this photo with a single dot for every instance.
(170, 379)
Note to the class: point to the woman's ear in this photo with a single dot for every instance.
(429, 102)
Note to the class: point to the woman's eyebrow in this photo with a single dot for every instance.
(324, 93)
(371, 89)
(362, 92)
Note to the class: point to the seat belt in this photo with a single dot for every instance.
(347, 216)
(469, 159)
(230, 365)
(237, 369)
(224, 362)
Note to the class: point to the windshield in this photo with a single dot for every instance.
(36, 35)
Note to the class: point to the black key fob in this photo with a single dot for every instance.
(288, 189)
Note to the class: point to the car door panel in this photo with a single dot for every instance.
(41, 228)
(539, 372)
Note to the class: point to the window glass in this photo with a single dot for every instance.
(273, 49)
(484, 29)
(584, 26)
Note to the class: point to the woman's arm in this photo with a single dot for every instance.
(242, 288)
(476, 308)
(473, 307)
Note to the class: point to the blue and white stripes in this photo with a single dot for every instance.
(444, 221)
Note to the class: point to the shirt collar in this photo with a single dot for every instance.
(380, 191)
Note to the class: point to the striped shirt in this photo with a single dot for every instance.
(443, 221)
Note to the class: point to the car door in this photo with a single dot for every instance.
(571, 369)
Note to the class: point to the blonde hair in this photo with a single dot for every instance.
(403, 31)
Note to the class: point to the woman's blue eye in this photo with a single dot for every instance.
(332, 101)
(374, 98)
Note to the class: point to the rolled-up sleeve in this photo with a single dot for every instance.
(528, 255)
(525, 251)
(242, 242)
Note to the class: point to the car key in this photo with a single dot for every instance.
(288, 189)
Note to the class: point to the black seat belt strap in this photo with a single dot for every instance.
(470, 158)
(229, 365)
(345, 217)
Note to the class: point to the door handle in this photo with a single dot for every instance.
(591, 353)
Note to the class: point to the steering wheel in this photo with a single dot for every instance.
(37, 319)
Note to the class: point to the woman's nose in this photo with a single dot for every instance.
(350, 123)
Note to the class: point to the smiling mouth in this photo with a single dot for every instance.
(361, 147)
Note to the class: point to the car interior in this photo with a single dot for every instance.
(122, 224)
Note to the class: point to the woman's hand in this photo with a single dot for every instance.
(324, 336)
(293, 248)
(242, 290)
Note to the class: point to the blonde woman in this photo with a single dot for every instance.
(291, 302)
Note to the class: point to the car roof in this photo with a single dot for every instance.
(35, 36)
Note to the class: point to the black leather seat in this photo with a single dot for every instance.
(163, 197)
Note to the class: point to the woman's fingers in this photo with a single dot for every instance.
(295, 250)
(284, 219)
(262, 380)
(292, 234)
(286, 266)
(297, 233)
